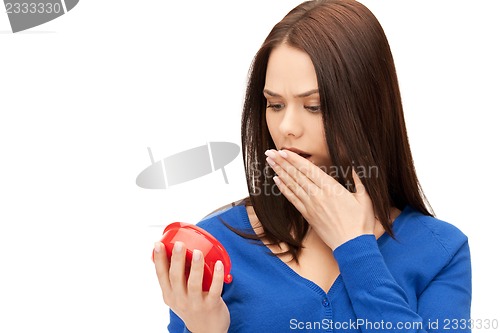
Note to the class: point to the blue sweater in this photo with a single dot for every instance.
(418, 282)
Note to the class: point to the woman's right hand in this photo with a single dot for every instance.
(200, 311)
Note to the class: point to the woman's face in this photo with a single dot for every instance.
(293, 111)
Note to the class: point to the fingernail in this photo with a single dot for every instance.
(270, 153)
(178, 247)
(283, 153)
(196, 255)
(157, 247)
(218, 266)
(270, 161)
(277, 180)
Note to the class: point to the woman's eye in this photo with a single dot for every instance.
(275, 107)
(313, 108)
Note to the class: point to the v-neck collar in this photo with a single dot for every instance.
(274, 261)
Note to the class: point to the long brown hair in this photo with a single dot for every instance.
(361, 109)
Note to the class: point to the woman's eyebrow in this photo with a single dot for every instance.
(304, 94)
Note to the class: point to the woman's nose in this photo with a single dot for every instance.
(292, 123)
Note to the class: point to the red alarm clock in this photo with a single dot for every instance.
(195, 238)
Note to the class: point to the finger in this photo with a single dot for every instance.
(177, 269)
(314, 173)
(161, 266)
(290, 182)
(297, 169)
(217, 282)
(194, 284)
(290, 174)
(290, 195)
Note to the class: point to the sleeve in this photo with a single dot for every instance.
(446, 301)
(176, 324)
(380, 304)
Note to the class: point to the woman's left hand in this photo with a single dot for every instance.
(336, 214)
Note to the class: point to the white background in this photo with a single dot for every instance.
(83, 96)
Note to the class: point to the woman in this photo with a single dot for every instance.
(336, 234)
